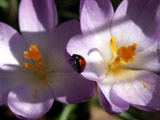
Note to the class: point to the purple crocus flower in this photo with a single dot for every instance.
(121, 52)
(33, 69)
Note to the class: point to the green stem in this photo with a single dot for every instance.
(127, 116)
(66, 111)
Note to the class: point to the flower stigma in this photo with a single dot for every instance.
(35, 55)
(123, 55)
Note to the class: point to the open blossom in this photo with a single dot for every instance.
(33, 69)
(121, 52)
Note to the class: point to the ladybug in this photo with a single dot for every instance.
(79, 63)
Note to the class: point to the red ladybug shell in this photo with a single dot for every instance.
(82, 63)
(79, 63)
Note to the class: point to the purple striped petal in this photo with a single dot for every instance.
(141, 88)
(57, 46)
(37, 19)
(12, 47)
(37, 15)
(92, 50)
(95, 15)
(110, 101)
(136, 22)
(71, 88)
(145, 108)
(8, 80)
(30, 101)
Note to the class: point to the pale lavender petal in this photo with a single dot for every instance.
(94, 52)
(67, 87)
(57, 46)
(95, 15)
(37, 15)
(12, 47)
(110, 101)
(139, 88)
(93, 44)
(9, 79)
(81, 5)
(146, 108)
(63, 33)
(71, 88)
(136, 22)
(37, 19)
(30, 101)
(7, 82)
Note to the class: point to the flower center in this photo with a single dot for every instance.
(35, 55)
(123, 55)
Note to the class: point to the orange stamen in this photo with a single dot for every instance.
(29, 67)
(36, 56)
(124, 54)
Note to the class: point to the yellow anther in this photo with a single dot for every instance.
(36, 56)
(29, 67)
(113, 46)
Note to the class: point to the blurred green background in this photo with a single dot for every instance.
(91, 110)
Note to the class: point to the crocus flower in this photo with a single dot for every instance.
(33, 69)
(121, 52)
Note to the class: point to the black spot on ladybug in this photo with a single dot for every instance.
(79, 63)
